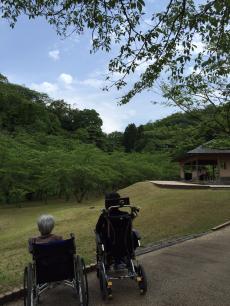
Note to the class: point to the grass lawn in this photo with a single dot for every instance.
(165, 213)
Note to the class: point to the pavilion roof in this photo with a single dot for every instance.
(204, 150)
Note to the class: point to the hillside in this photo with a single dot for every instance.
(164, 214)
(50, 150)
(181, 132)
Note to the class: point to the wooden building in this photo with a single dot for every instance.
(206, 165)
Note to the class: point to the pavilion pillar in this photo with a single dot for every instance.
(218, 167)
(194, 165)
(182, 171)
(197, 168)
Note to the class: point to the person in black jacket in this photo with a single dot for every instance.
(112, 199)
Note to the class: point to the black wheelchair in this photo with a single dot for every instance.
(54, 263)
(116, 258)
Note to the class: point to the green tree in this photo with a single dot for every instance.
(130, 137)
(199, 92)
(62, 110)
(114, 141)
(3, 78)
(90, 120)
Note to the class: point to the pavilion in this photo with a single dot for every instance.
(206, 165)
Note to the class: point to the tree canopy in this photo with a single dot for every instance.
(187, 43)
(49, 149)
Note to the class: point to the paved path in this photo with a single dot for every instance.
(192, 273)
(181, 184)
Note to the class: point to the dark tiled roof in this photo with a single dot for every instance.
(203, 150)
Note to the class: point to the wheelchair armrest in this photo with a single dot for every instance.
(72, 235)
(137, 234)
(98, 238)
(100, 245)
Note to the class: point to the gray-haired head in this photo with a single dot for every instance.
(45, 224)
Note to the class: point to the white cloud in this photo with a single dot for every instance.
(54, 54)
(97, 73)
(111, 124)
(67, 79)
(49, 88)
(114, 117)
(92, 82)
(86, 93)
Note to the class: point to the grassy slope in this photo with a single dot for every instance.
(164, 213)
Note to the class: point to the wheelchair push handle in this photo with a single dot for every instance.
(134, 210)
(120, 203)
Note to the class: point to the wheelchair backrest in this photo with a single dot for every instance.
(120, 240)
(54, 261)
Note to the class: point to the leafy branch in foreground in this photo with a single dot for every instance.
(184, 38)
(212, 96)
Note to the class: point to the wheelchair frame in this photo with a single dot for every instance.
(33, 289)
(135, 270)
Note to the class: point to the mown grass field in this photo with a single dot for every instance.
(165, 213)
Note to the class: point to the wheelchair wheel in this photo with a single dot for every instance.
(142, 283)
(103, 285)
(82, 283)
(97, 273)
(28, 286)
(106, 292)
(85, 281)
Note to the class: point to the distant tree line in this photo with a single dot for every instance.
(40, 167)
(179, 132)
(50, 150)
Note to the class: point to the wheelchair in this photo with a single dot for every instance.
(53, 263)
(116, 258)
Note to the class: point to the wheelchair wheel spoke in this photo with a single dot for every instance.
(105, 292)
(28, 286)
(25, 285)
(81, 279)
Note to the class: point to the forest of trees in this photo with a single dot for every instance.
(50, 150)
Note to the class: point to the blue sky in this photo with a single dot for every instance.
(33, 55)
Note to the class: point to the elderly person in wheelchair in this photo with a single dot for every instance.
(116, 242)
(45, 225)
(54, 261)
